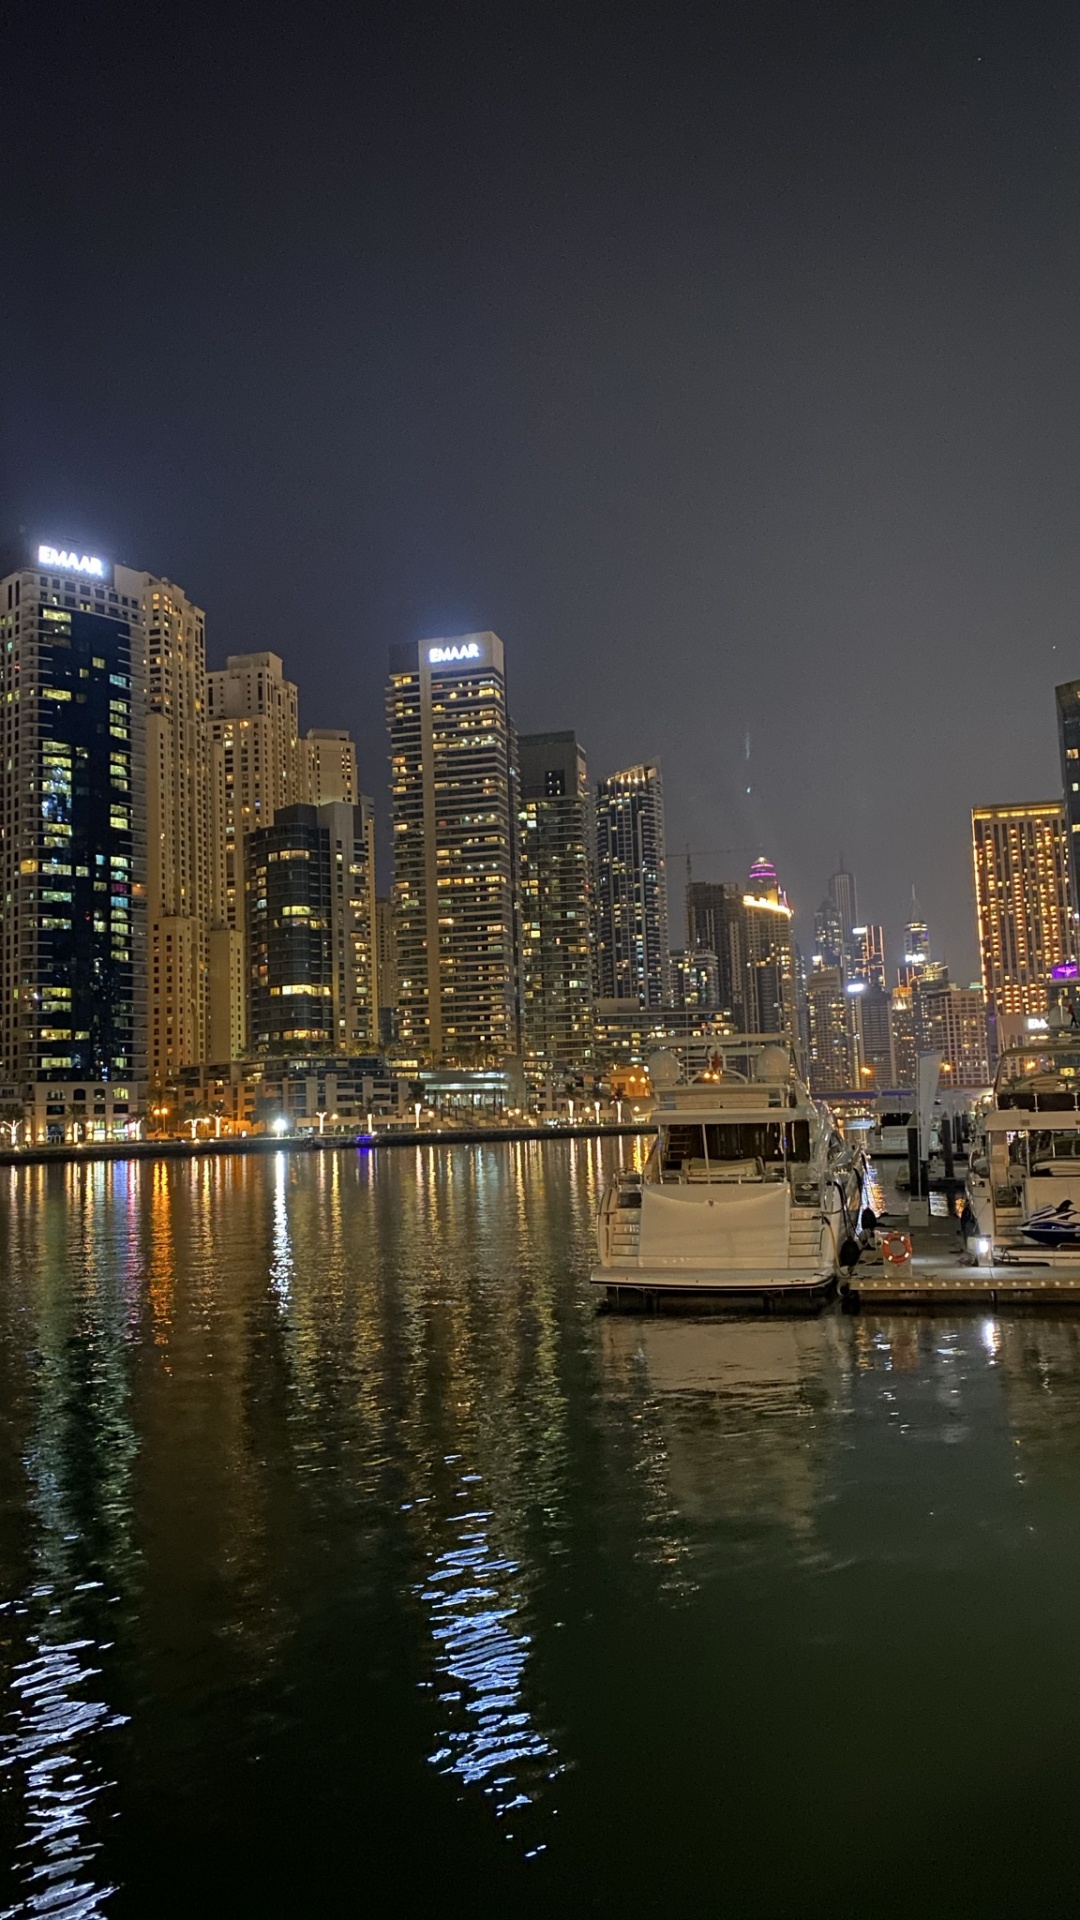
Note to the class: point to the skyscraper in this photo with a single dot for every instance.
(310, 931)
(845, 900)
(73, 839)
(829, 935)
(868, 956)
(178, 829)
(332, 766)
(556, 900)
(916, 941)
(831, 1061)
(258, 764)
(769, 993)
(715, 921)
(1022, 900)
(452, 776)
(632, 945)
(695, 979)
(954, 1024)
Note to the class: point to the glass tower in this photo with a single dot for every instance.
(73, 839)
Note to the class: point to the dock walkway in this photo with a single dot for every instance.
(939, 1273)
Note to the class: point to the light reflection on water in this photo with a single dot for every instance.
(328, 1499)
(487, 1738)
(48, 1750)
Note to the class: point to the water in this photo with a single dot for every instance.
(350, 1562)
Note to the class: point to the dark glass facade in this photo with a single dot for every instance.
(290, 958)
(73, 956)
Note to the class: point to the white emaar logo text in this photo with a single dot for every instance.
(70, 562)
(468, 650)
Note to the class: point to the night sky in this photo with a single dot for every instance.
(725, 360)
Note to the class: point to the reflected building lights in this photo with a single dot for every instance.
(486, 1736)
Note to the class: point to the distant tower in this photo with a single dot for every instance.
(916, 941)
(770, 994)
(633, 961)
(843, 896)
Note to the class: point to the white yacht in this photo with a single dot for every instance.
(887, 1136)
(1023, 1181)
(748, 1189)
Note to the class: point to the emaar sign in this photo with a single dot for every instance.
(65, 562)
(466, 650)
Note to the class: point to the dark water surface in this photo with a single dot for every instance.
(351, 1563)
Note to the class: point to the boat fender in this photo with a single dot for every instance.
(849, 1254)
(896, 1248)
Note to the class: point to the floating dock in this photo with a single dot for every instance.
(939, 1274)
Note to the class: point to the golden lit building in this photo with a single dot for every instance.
(332, 761)
(954, 1024)
(178, 830)
(258, 764)
(1022, 901)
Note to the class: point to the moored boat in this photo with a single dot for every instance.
(1023, 1181)
(749, 1190)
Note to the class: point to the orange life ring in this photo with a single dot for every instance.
(896, 1248)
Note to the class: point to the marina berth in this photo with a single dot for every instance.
(1023, 1184)
(749, 1189)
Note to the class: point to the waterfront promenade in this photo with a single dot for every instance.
(176, 1148)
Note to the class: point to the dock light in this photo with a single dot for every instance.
(281, 1125)
(982, 1246)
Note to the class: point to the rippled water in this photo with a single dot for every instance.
(350, 1561)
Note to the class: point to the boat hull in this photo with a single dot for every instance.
(704, 1291)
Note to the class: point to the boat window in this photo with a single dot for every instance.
(894, 1120)
(772, 1140)
(1055, 1146)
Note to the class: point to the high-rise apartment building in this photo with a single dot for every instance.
(1022, 899)
(556, 900)
(332, 766)
(695, 979)
(871, 1010)
(632, 944)
(386, 968)
(310, 932)
(72, 833)
(179, 866)
(903, 1018)
(831, 1048)
(257, 765)
(454, 806)
(954, 1024)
